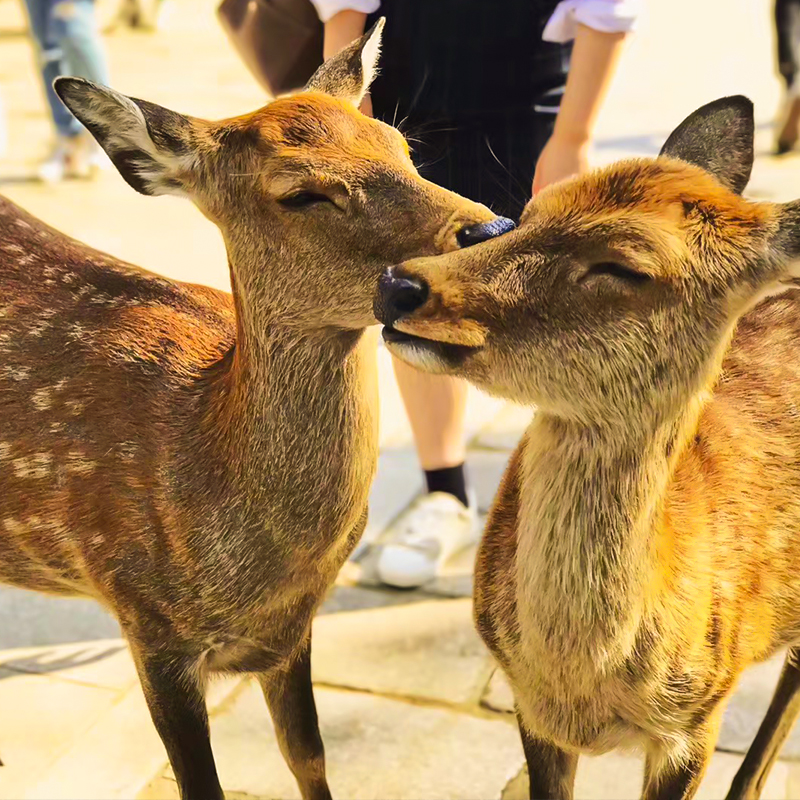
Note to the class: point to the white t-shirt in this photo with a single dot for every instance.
(608, 16)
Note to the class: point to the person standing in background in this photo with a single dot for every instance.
(787, 39)
(502, 98)
(67, 42)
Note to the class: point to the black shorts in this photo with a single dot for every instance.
(465, 81)
(488, 159)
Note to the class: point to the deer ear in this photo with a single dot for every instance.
(719, 138)
(349, 73)
(148, 144)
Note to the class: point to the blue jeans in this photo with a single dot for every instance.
(68, 43)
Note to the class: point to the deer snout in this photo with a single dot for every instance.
(475, 234)
(398, 295)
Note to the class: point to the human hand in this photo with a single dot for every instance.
(366, 105)
(560, 158)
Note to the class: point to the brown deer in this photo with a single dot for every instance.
(644, 545)
(196, 462)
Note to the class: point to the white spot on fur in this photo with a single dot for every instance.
(13, 526)
(41, 465)
(56, 427)
(21, 223)
(41, 399)
(37, 330)
(22, 467)
(78, 464)
(75, 407)
(60, 385)
(6, 310)
(5, 451)
(16, 373)
(69, 277)
(13, 248)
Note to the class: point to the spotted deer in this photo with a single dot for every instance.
(644, 545)
(197, 462)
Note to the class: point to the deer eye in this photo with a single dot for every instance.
(303, 199)
(614, 270)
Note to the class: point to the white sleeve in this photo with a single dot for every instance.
(608, 16)
(327, 8)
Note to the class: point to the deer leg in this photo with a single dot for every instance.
(775, 727)
(666, 779)
(175, 698)
(551, 770)
(290, 698)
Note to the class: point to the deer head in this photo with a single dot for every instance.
(620, 290)
(313, 199)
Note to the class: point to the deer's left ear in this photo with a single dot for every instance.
(151, 146)
(348, 74)
(719, 138)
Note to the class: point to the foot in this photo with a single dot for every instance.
(425, 537)
(72, 157)
(788, 124)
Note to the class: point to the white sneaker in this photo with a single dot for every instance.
(433, 529)
(72, 157)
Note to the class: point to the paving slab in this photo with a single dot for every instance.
(427, 650)
(503, 432)
(485, 469)
(103, 663)
(40, 717)
(115, 753)
(747, 707)
(498, 695)
(376, 748)
(619, 777)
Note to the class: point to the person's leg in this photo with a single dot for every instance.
(50, 56)
(787, 36)
(75, 29)
(436, 406)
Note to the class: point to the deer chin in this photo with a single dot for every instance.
(428, 355)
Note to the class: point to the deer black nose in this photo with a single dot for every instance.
(398, 295)
(474, 234)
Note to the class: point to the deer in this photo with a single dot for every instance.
(200, 462)
(643, 547)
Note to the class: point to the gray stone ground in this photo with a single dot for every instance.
(410, 704)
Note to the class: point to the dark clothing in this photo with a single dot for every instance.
(464, 82)
(787, 30)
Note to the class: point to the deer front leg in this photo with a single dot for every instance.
(551, 770)
(668, 779)
(174, 696)
(775, 727)
(290, 698)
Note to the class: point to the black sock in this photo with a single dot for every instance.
(452, 480)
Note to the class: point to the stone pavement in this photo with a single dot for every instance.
(410, 704)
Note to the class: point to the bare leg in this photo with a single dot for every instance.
(436, 406)
(550, 769)
(290, 698)
(775, 727)
(665, 780)
(178, 709)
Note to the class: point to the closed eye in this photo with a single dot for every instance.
(614, 270)
(303, 199)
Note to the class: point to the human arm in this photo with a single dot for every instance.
(599, 28)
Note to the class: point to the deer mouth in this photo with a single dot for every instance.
(420, 349)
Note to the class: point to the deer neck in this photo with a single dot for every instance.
(292, 422)
(590, 521)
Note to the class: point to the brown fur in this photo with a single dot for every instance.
(643, 547)
(196, 462)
